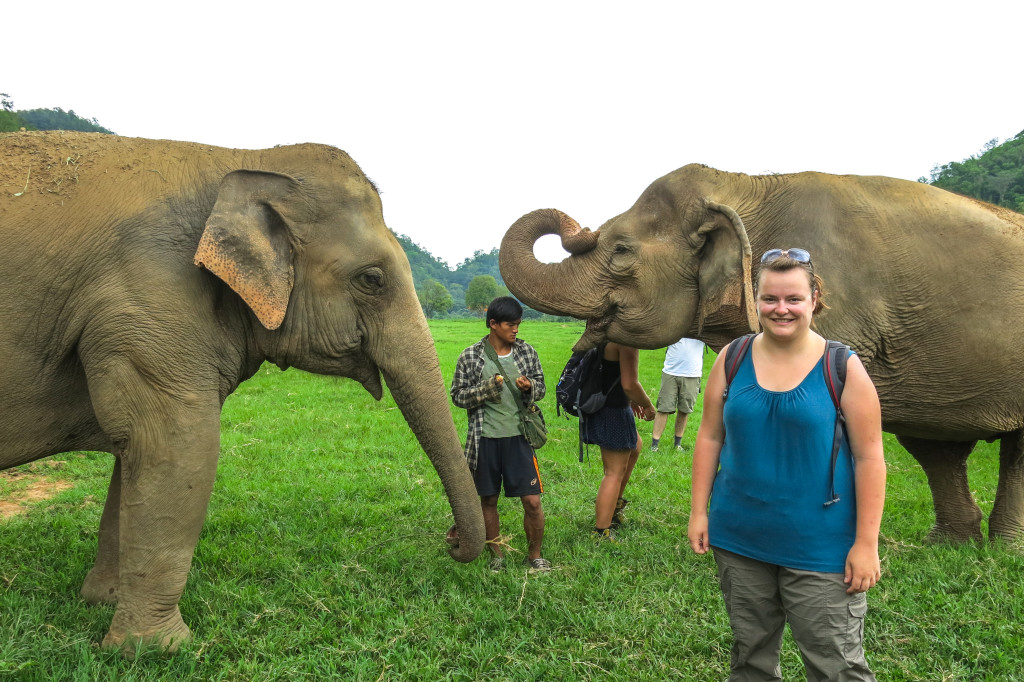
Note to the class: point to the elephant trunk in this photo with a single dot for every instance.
(566, 288)
(413, 375)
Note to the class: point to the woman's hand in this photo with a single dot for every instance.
(863, 569)
(645, 413)
(523, 384)
(697, 531)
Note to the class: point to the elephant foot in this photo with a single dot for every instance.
(957, 534)
(100, 588)
(1008, 530)
(165, 638)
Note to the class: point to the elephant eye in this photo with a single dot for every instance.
(622, 260)
(370, 280)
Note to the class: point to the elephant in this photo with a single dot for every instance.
(144, 280)
(925, 285)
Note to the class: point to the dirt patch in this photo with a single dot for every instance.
(29, 486)
(51, 169)
(44, 165)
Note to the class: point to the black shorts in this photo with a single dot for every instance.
(511, 460)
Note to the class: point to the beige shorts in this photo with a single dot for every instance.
(678, 394)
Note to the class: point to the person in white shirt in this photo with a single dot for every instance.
(680, 384)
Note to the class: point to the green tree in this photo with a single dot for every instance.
(434, 298)
(481, 263)
(9, 119)
(424, 266)
(995, 174)
(458, 293)
(58, 119)
(481, 291)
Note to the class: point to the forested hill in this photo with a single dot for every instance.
(424, 265)
(996, 175)
(44, 119)
(445, 291)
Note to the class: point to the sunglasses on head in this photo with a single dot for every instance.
(799, 255)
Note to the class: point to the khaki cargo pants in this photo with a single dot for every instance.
(827, 623)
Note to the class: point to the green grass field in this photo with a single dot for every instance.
(322, 557)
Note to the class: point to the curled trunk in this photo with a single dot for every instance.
(566, 288)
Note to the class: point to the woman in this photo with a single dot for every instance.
(613, 428)
(763, 459)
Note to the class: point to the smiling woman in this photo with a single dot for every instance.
(788, 293)
(764, 485)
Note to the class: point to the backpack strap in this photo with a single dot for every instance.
(734, 357)
(836, 356)
(581, 439)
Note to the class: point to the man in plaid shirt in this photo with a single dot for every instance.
(496, 450)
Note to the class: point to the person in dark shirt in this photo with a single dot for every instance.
(613, 428)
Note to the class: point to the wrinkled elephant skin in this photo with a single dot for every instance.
(144, 281)
(926, 286)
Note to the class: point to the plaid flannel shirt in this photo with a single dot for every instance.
(470, 390)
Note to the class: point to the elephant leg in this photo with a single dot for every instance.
(957, 515)
(1007, 519)
(167, 440)
(100, 586)
(163, 506)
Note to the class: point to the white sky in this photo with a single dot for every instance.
(469, 114)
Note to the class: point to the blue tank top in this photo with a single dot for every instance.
(767, 502)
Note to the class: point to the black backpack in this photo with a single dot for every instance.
(578, 391)
(836, 355)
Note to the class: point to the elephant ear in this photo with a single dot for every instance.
(247, 241)
(724, 276)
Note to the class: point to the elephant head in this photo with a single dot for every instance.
(676, 264)
(309, 253)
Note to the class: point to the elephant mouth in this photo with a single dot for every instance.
(596, 331)
(369, 377)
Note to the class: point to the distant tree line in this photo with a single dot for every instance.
(995, 175)
(44, 119)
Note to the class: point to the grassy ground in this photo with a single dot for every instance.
(322, 558)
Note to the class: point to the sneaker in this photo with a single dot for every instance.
(539, 564)
(605, 535)
(617, 519)
(497, 564)
(680, 448)
(654, 448)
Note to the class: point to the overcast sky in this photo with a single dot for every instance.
(469, 114)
